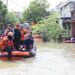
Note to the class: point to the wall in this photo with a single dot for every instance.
(66, 11)
(73, 29)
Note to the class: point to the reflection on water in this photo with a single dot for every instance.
(51, 59)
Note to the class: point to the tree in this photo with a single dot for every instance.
(36, 11)
(49, 28)
(12, 18)
(3, 12)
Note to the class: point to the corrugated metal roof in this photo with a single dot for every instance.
(62, 4)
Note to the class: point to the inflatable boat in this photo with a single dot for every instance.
(24, 54)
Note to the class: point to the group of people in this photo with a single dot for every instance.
(17, 38)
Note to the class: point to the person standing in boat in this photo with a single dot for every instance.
(17, 37)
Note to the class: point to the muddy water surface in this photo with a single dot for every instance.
(51, 59)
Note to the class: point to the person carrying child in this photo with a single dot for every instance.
(9, 45)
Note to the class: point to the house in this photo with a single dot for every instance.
(67, 19)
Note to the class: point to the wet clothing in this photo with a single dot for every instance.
(9, 49)
(28, 44)
(17, 38)
(10, 43)
(17, 34)
(17, 45)
(3, 43)
(9, 46)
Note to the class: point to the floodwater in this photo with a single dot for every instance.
(51, 59)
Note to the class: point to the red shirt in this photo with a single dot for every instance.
(22, 35)
(10, 43)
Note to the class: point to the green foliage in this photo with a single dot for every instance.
(36, 10)
(12, 18)
(3, 12)
(49, 28)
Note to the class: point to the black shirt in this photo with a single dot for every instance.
(28, 42)
(17, 34)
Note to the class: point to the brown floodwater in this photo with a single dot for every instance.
(51, 59)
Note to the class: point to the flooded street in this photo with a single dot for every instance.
(51, 59)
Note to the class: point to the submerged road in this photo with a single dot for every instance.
(49, 61)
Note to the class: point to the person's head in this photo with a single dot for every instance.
(10, 35)
(17, 26)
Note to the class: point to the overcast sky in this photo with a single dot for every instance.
(18, 5)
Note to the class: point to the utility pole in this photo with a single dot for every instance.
(7, 12)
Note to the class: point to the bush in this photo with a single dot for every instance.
(49, 28)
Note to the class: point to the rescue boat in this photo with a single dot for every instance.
(24, 54)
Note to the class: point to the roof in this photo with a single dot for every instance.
(64, 3)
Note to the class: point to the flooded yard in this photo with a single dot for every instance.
(51, 59)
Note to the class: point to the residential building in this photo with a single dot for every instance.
(67, 19)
